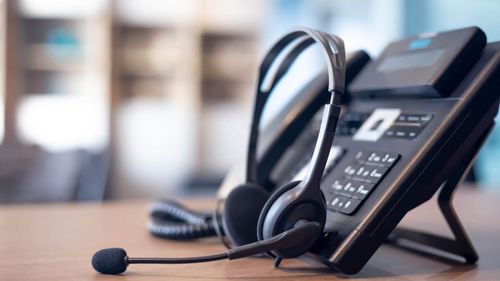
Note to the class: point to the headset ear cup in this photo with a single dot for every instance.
(281, 220)
(242, 208)
(275, 195)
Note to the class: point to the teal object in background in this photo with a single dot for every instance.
(63, 45)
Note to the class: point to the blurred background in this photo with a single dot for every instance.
(117, 99)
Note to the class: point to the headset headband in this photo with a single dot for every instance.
(333, 49)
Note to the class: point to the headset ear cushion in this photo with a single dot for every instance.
(265, 209)
(241, 212)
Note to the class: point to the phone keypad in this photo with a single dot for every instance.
(360, 177)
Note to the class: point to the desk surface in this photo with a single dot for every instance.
(55, 242)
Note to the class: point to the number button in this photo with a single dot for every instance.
(362, 189)
(349, 206)
(350, 169)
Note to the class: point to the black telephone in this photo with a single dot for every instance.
(411, 124)
(413, 119)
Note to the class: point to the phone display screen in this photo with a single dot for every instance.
(410, 60)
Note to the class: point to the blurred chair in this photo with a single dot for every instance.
(31, 174)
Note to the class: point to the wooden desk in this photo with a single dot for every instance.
(55, 242)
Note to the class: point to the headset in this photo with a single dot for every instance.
(284, 224)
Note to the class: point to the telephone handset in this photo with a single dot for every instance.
(415, 118)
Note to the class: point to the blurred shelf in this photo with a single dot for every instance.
(53, 9)
(59, 76)
(41, 57)
(228, 91)
(228, 66)
(165, 13)
(232, 16)
(87, 72)
(147, 74)
(153, 87)
(52, 44)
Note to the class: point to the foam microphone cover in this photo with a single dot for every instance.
(110, 261)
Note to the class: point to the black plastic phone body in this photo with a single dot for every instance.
(458, 122)
(450, 123)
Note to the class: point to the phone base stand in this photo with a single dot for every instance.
(461, 245)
